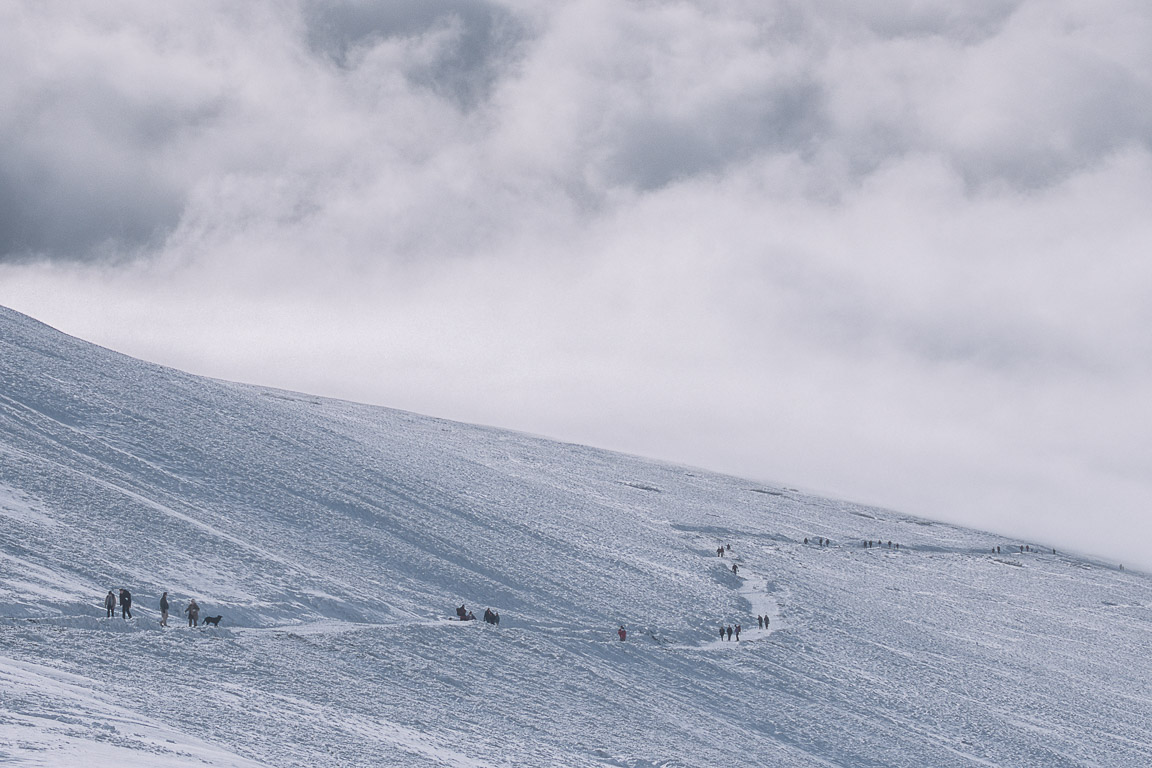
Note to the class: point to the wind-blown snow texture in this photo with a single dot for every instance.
(336, 540)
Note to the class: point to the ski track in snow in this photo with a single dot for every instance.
(336, 540)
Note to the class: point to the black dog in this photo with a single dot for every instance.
(213, 620)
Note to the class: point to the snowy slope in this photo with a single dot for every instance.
(336, 540)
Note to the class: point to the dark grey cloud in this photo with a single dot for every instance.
(485, 35)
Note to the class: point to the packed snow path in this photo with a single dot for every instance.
(336, 539)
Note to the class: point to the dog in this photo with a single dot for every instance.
(213, 620)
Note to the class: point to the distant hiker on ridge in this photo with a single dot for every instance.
(721, 633)
(623, 633)
(164, 609)
(733, 567)
(193, 611)
(110, 604)
(760, 621)
(729, 633)
(125, 604)
(737, 633)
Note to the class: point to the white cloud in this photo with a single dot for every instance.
(888, 250)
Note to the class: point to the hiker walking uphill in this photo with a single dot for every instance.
(110, 604)
(193, 611)
(164, 609)
(125, 604)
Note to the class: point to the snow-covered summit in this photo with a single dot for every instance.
(337, 539)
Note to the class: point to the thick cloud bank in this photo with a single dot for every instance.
(891, 250)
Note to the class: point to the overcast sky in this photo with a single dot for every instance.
(896, 251)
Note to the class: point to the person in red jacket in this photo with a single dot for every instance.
(623, 633)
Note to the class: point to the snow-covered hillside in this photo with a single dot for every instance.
(337, 539)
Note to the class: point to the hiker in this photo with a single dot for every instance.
(623, 633)
(125, 604)
(720, 551)
(805, 539)
(721, 633)
(729, 633)
(760, 621)
(469, 617)
(164, 609)
(729, 547)
(765, 621)
(737, 633)
(193, 611)
(733, 567)
(496, 618)
(110, 604)
(487, 615)
(461, 613)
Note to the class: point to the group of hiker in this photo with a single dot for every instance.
(490, 616)
(729, 631)
(125, 600)
(1028, 548)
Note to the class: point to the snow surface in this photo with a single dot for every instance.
(337, 539)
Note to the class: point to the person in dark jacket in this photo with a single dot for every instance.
(110, 604)
(734, 568)
(164, 609)
(125, 604)
(759, 621)
(729, 632)
(721, 633)
(737, 633)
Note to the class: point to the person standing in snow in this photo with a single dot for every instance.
(737, 633)
(733, 567)
(623, 633)
(164, 609)
(729, 633)
(721, 633)
(759, 621)
(110, 604)
(193, 611)
(125, 604)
